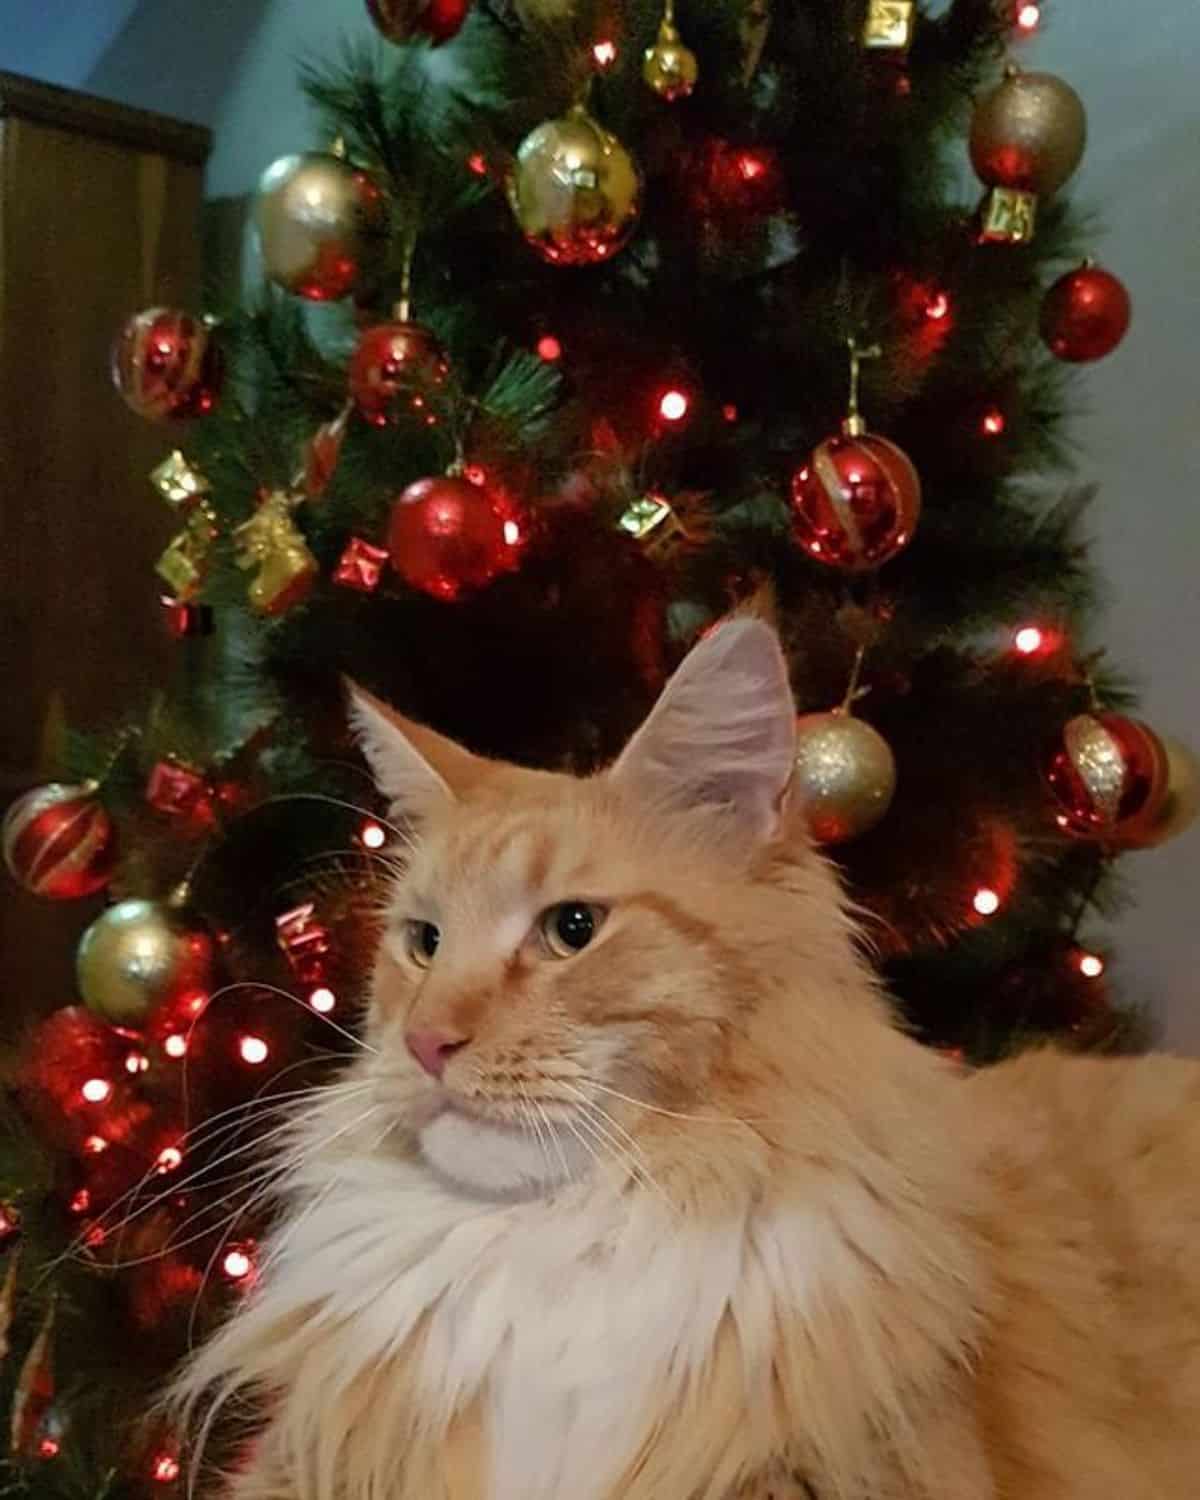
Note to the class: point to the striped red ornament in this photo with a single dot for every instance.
(167, 366)
(59, 841)
(855, 502)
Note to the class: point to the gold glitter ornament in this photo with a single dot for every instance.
(845, 775)
(574, 190)
(1027, 138)
(669, 67)
(179, 481)
(138, 954)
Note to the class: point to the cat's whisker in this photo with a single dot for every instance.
(201, 1177)
(630, 1164)
(530, 1122)
(206, 1135)
(591, 1105)
(274, 989)
(673, 1114)
(288, 1166)
(540, 1112)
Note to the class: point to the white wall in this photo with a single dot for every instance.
(231, 63)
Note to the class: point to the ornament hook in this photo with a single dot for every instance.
(855, 425)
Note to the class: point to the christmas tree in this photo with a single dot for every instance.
(585, 325)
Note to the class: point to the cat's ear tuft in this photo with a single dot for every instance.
(413, 767)
(722, 735)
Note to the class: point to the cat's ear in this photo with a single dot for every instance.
(722, 735)
(416, 769)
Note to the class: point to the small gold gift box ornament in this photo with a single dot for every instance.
(271, 543)
(889, 25)
(183, 567)
(180, 482)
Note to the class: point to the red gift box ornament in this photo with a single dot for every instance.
(179, 790)
(360, 566)
(303, 941)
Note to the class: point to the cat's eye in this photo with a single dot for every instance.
(421, 940)
(570, 926)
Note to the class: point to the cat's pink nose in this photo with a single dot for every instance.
(434, 1049)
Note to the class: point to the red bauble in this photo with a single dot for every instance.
(448, 536)
(59, 841)
(1110, 777)
(855, 503)
(1085, 315)
(166, 365)
(405, 20)
(397, 368)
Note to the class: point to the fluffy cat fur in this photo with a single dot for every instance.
(687, 1217)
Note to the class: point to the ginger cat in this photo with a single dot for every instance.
(635, 1191)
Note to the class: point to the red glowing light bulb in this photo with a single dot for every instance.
(986, 901)
(475, 474)
(48, 1448)
(729, 411)
(1029, 17)
(372, 835)
(96, 1090)
(750, 166)
(549, 348)
(237, 1265)
(80, 1201)
(136, 1062)
(673, 405)
(938, 307)
(605, 53)
(175, 1045)
(1090, 965)
(165, 1469)
(477, 163)
(168, 1159)
(322, 1000)
(1029, 640)
(512, 533)
(993, 422)
(95, 1145)
(253, 1050)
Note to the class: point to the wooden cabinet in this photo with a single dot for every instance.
(99, 216)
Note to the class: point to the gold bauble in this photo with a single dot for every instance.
(845, 775)
(321, 225)
(575, 190)
(1028, 133)
(670, 68)
(138, 955)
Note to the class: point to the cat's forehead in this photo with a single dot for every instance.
(514, 838)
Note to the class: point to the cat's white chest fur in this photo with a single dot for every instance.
(578, 1320)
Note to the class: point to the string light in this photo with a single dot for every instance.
(548, 348)
(48, 1448)
(993, 422)
(477, 163)
(136, 1062)
(372, 836)
(237, 1264)
(322, 1000)
(512, 533)
(175, 1045)
(80, 1202)
(729, 411)
(1029, 17)
(95, 1145)
(165, 1469)
(605, 53)
(1090, 965)
(673, 405)
(938, 307)
(475, 474)
(253, 1050)
(986, 901)
(750, 166)
(96, 1090)
(168, 1159)
(1029, 640)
